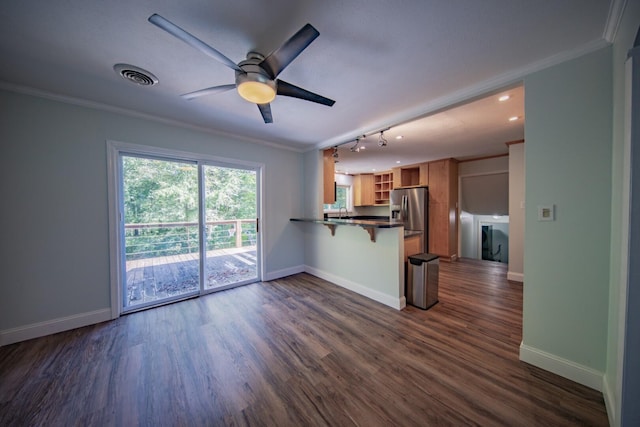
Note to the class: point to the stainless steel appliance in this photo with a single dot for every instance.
(411, 206)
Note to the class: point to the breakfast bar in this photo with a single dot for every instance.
(367, 224)
(372, 267)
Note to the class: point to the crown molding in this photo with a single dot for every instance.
(26, 90)
(616, 10)
(502, 81)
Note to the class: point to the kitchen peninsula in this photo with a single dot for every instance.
(372, 265)
(369, 225)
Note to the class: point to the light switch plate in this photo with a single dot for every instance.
(546, 213)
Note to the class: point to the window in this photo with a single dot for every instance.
(343, 199)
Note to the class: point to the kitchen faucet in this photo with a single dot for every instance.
(346, 212)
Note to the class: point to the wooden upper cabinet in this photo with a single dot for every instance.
(328, 177)
(397, 177)
(424, 173)
(363, 190)
(383, 184)
(411, 176)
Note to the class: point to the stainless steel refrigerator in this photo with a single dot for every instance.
(411, 206)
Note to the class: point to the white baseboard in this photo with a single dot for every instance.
(397, 303)
(278, 274)
(40, 329)
(563, 367)
(515, 277)
(609, 401)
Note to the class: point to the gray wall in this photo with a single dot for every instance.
(568, 164)
(54, 251)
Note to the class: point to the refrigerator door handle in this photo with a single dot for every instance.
(405, 207)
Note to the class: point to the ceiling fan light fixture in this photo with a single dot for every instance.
(255, 87)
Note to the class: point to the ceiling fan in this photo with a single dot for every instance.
(255, 76)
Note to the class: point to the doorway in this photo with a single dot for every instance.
(186, 226)
(484, 209)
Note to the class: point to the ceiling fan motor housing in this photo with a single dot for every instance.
(254, 84)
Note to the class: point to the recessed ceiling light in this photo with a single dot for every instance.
(363, 147)
(398, 161)
(513, 119)
(504, 98)
(373, 170)
(399, 137)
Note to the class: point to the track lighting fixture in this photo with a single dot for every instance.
(355, 148)
(335, 155)
(382, 141)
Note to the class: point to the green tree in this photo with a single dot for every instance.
(158, 190)
(230, 193)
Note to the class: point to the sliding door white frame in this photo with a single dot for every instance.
(116, 215)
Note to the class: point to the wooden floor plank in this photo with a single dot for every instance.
(299, 351)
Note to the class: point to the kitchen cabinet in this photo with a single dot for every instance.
(443, 208)
(397, 177)
(364, 190)
(328, 177)
(424, 173)
(411, 176)
(412, 246)
(383, 184)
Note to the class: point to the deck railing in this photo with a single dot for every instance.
(152, 240)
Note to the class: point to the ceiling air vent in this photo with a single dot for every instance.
(135, 74)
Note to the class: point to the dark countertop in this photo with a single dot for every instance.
(355, 222)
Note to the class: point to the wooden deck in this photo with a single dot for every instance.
(153, 279)
(299, 351)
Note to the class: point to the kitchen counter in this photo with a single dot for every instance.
(375, 223)
(368, 225)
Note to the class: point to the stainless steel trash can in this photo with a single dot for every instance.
(422, 283)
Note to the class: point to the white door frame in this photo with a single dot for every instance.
(628, 373)
(116, 210)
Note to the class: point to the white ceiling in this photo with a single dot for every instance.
(475, 129)
(383, 62)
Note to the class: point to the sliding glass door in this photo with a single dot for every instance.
(187, 228)
(161, 239)
(231, 226)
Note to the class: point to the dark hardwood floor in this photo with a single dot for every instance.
(298, 352)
